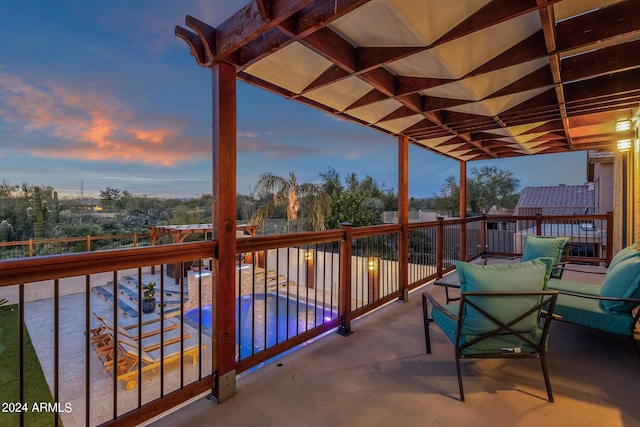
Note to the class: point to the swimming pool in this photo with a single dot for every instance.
(263, 321)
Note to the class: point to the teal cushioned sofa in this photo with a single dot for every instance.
(610, 307)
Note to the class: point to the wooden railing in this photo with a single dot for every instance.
(35, 247)
(289, 288)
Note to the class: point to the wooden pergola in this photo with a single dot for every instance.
(179, 233)
(470, 80)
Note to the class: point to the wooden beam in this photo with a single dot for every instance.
(621, 18)
(248, 23)
(196, 47)
(605, 61)
(205, 32)
(493, 13)
(330, 45)
(309, 19)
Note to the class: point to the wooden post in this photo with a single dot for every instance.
(403, 216)
(373, 279)
(463, 211)
(224, 229)
(483, 236)
(309, 268)
(344, 304)
(609, 254)
(440, 247)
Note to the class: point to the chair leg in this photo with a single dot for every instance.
(459, 378)
(547, 382)
(635, 344)
(425, 316)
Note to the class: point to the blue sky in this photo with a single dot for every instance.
(103, 94)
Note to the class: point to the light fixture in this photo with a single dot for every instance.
(623, 125)
(308, 255)
(624, 144)
(625, 134)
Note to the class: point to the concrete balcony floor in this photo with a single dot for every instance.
(381, 376)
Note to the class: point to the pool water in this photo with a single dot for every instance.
(262, 322)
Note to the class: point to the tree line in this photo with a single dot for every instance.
(28, 211)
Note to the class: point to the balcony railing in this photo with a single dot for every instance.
(289, 289)
(39, 247)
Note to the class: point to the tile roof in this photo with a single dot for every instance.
(565, 196)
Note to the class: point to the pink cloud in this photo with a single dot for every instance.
(89, 125)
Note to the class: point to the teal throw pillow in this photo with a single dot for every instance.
(623, 254)
(525, 276)
(621, 281)
(543, 246)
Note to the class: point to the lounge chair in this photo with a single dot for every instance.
(150, 336)
(149, 327)
(131, 359)
(499, 314)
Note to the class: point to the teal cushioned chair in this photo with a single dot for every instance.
(609, 307)
(499, 315)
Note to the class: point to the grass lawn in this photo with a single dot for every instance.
(36, 388)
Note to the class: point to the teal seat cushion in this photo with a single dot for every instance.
(543, 246)
(489, 345)
(587, 312)
(624, 254)
(504, 343)
(575, 287)
(621, 281)
(529, 276)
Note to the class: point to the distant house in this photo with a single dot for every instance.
(84, 204)
(587, 238)
(558, 200)
(391, 217)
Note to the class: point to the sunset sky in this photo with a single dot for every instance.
(103, 94)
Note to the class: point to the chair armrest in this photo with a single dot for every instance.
(439, 306)
(598, 297)
(564, 266)
(636, 316)
(447, 285)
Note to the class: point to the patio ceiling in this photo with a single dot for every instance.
(472, 79)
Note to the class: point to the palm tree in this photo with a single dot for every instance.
(287, 191)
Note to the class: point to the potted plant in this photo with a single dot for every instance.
(148, 297)
(196, 265)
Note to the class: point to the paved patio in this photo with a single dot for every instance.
(380, 375)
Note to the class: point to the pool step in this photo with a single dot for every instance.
(272, 279)
(123, 307)
(170, 289)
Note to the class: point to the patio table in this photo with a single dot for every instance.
(450, 281)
